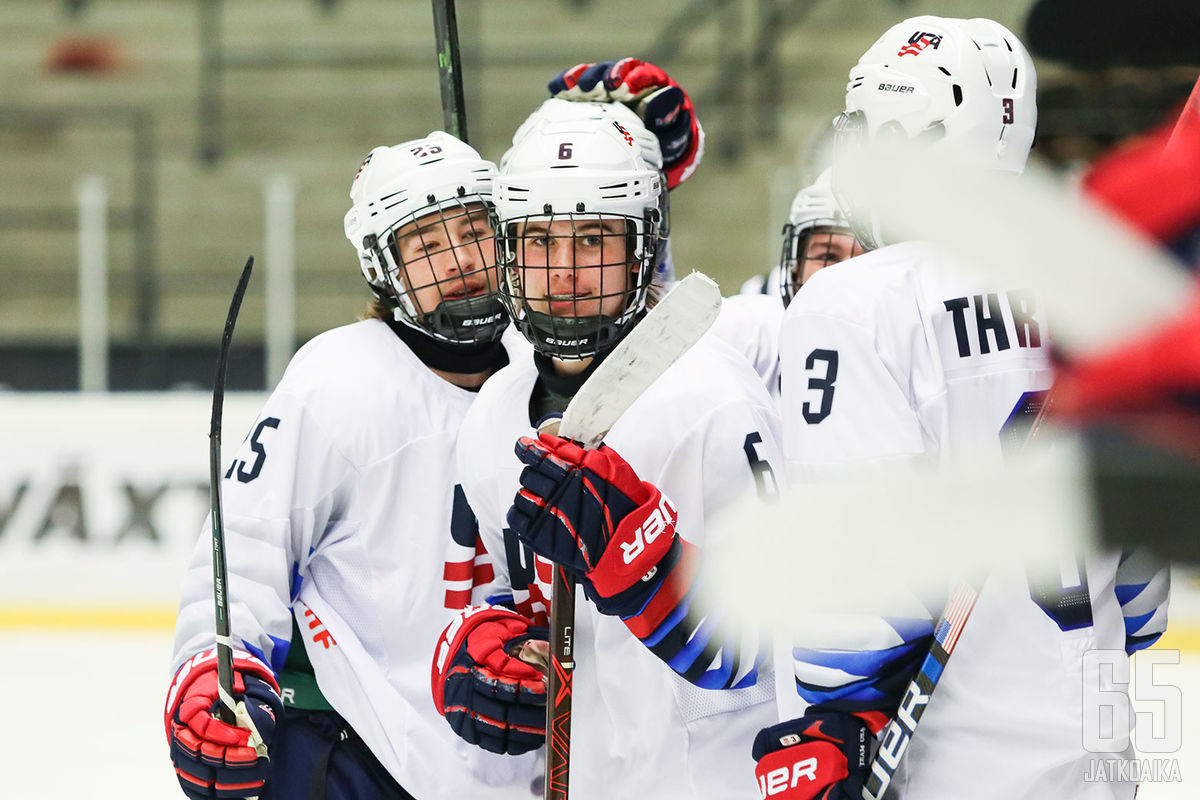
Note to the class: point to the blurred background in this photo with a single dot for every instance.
(187, 135)
(146, 149)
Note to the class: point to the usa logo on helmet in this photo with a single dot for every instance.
(918, 42)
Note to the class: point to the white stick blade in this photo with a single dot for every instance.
(655, 343)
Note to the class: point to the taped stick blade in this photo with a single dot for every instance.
(668, 331)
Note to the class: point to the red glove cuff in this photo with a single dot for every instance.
(641, 540)
(800, 772)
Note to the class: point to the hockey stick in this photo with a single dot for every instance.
(445, 31)
(894, 739)
(654, 344)
(229, 711)
(896, 736)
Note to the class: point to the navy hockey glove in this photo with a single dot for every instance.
(824, 756)
(490, 697)
(588, 511)
(662, 104)
(213, 759)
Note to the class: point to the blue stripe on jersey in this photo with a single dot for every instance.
(1134, 624)
(505, 600)
(279, 651)
(699, 639)
(862, 691)
(699, 644)
(751, 677)
(1135, 643)
(297, 581)
(668, 624)
(716, 678)
(1129, 591)
(856, 662)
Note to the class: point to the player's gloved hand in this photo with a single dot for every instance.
(490, 697)
(824, 755)
(588, 511)
(662, 104)
(214, 759)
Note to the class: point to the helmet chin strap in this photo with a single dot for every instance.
(458, 357)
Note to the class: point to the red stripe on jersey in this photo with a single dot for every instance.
(674, 588)
(483, 573)
(457, 570)
(458, 599)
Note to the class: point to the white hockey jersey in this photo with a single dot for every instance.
(704, 432)
(749, 323)
(764, 282)
(894, 356)
(339, 505)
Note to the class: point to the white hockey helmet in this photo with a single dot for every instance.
(813, 208)
(400, 184)
(576, 162)
(962, 83)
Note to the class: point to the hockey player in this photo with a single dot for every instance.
(751, 326)
(342, 515)
(582, 226)
(816, 236)
(894, 358)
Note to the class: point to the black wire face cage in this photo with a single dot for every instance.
(442, 274)
(822, 243)
(575, 283)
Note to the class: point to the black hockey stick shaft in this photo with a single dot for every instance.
(558, 686)
(220, 584)
(445, 30)
(897, 735)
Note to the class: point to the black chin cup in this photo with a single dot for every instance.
(467, 319)
(570, 338)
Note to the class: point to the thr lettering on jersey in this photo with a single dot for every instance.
(1000, 321)
(782, 778)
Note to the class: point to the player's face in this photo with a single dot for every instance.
(447, 255)
(575, 267)
(824, 247)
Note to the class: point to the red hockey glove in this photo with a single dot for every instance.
(490, 697)
(213, 759)
(662, 104)
(588, 511)
(826, 756)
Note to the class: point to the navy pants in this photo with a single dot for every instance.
(316, 756)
